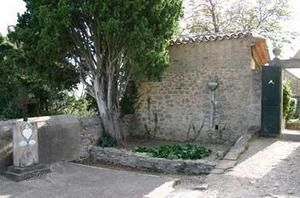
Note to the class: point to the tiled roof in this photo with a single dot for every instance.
(211, 37)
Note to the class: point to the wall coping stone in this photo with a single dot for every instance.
(40, 119)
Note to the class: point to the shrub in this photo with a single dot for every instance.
(129, 100)
(292, 110)
(289, 103)
(176, 151)
(107, 141)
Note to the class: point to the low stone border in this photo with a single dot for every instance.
(143, 162)
(292, 125)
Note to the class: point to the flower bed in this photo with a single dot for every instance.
(144, 162)
(176, 151)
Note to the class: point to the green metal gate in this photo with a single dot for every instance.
(271, 101)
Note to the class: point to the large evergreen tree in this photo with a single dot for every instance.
(20, 76)
(108, 42)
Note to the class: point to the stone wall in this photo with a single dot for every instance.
(60, 138)
(6, 144)
(294, 81)
(143, 162)
(178, 107)
(90, 131)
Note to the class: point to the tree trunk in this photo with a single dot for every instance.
(109, 111)
(111, 125)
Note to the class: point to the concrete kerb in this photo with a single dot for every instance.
(144, 162)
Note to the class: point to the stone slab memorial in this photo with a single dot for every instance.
(25, 153)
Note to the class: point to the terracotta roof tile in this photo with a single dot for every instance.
(211, 37)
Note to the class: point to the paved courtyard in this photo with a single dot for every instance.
(269, 168)
(70, 180)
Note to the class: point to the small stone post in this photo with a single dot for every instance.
(276, 61)
(25, 153)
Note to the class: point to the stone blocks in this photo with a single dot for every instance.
(178, 107)
(6, 145)
(59, 139)
(141, 161)
(23, 173)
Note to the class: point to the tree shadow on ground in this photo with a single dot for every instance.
(269, 168)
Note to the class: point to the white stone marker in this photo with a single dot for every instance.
(25, 153)
(25, 140)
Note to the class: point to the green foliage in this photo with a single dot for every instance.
(287, 95)
(111, 39)
(69, 104)
(129, 100)
(52, 32)
(107, 141)
(289, 103)
(19, 76)
(293, 108)
(176, 151)
(106, 42)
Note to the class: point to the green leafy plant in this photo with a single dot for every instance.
(176, 151)
(107, 141)
(289, 103)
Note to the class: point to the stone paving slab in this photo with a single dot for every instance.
(239, 147)
(217, 171)
(226, 164)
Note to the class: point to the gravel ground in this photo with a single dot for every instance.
(269, 168)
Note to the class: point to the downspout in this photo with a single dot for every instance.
(212, 85)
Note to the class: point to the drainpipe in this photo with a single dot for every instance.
(212, 85)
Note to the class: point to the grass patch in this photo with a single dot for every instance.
(176, 151)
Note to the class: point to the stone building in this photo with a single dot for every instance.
(180, 106)
(289, 76)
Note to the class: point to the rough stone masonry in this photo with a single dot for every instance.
(178, 107)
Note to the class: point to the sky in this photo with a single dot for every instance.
(293, 25)
(8, 13)
(10, 8)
